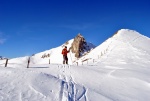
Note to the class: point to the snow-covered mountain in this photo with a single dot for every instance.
(54, 55)
(125, 44)
(116, 70)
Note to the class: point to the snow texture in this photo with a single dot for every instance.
(116, 70)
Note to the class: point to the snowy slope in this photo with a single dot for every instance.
(120, 72)
(54, 55)
(125, 44)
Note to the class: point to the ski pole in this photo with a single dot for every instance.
(70, 57)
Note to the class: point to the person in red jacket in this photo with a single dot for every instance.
(64, 53)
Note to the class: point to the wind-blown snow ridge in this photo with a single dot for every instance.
(116, 70)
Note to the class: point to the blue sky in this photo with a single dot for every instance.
(31, 26)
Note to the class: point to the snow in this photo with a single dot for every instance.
(116, 70)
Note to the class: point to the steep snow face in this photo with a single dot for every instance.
(126, 44)
(134, 38)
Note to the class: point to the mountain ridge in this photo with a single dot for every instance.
(124, 36)
(121, 72)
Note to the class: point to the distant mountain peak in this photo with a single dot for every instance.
(126, 34)
(126, 30)
(79, 35)
(80, 46)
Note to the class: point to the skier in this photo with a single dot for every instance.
(64, 53)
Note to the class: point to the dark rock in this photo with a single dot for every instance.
(80, 46)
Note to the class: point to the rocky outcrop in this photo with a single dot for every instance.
(80, 46)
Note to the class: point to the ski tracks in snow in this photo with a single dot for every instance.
(70, 91)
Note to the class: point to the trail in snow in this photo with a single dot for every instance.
(70, 91)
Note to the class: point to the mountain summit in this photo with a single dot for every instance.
(80, 46)
(125, 44)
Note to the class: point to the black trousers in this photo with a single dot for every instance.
(65, 59)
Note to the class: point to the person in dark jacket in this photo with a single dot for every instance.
(64, 53)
